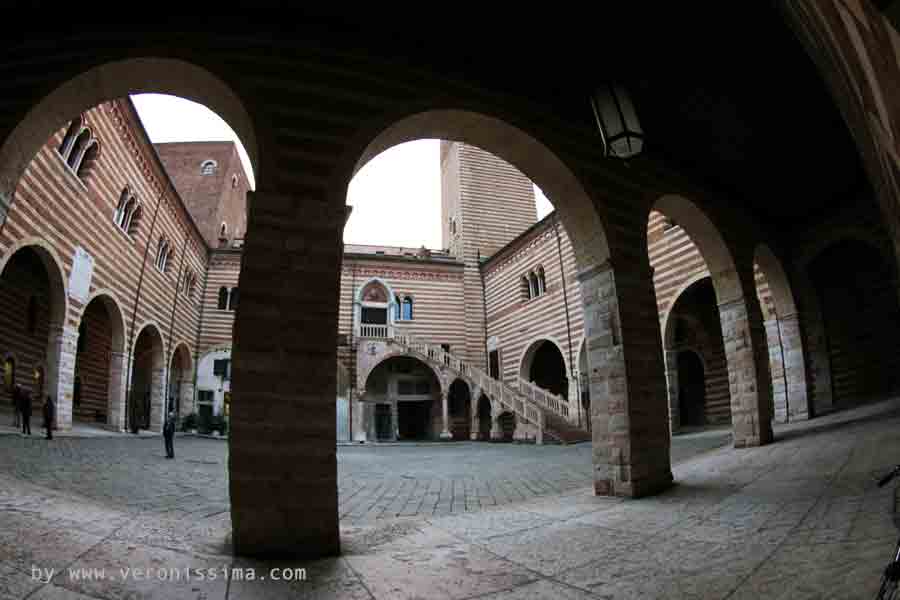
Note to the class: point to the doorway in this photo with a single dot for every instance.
(691, 389)
(413, 417)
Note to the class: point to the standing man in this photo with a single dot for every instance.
(25, 409)
(169, 433)
(49, 415)
(16, 402)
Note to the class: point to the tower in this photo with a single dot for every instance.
(485, 204)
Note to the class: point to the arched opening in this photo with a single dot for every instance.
(543, 364)
(402, 401)
(147, 397)
(181, 381)
(692, 389)
(32, 328)
(460, 410)
(98, 396)
(506, 422)
(373, 309)
(857, 292)
(694, 328)
(787, 362)
(684, 245)
(484, 418)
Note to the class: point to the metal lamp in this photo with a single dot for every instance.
(618, 122)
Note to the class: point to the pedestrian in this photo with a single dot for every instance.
(16, 402)
(49, 416)
(25, 409)
(169, 434)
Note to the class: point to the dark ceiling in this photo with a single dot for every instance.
(724, 91)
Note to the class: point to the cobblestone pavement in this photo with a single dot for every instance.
(375, 481)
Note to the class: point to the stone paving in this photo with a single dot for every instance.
(375, 481)
(801, 519)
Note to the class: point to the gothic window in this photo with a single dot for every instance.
(162, 255)
(72, 132)
(223, 230)
(533, 284)
(187, 289)
(223, 298)
(234, 180)
(79, 148)
(128, 212)
(208, 167)
(542, 281)
(525, 288)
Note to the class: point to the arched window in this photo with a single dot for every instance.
(533, 284)
(407, 313)
(72, 132)
(162, 255)
(88, 159)
(233, 299)
(397, 308)
(223, 298)
(31, 324)
(208, 167)
(9, 373)
(542, 281)
(83, 152)
(132, 217)
(127, 212)
(223, 230)
(524, 288)
(234, 180)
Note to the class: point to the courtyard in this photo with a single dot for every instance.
(798, 519)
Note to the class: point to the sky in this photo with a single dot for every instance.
(396, 197)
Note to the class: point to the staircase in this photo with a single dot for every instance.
(531, 404)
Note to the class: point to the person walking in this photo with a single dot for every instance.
(25, 409)
(49, 415)
(169, 434)
(16, 402)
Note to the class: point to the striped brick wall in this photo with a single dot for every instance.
(217, 325)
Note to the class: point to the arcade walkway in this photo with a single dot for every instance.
(797, 519)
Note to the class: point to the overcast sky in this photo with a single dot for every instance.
(396, 197)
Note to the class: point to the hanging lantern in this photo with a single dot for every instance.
(618, 122)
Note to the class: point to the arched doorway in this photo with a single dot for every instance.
(146, 397)
(507, 423)
(33, 333)
(484, 418)
(460, 410)
(97, 395)
(180, 396)
(401, 401)
(692, 389)
(857, 292)
(543, 364)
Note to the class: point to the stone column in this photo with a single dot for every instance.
(630, 423)
(282, 454)
(61, 353)
(360, 418)
(395, 421)
(776, 371)
(671, 361)
(475, 427)
(794, 368)
(118, 372)
(496, 430)
(185, 396)
(445, 414)
(157, 399)
(747, 355)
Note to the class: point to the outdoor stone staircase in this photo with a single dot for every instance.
(531, 404)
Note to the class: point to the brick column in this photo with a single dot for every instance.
(747, 355)
(628, 392)
(282, 462)
(794, 368)
(671, 360)
(445, 416)
(118, 371)
(776, 371)
(61, 353)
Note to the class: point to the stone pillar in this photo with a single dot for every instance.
(445, 416)
(157, 399)
(475, 427)
(747, 355)
(794, 368)
(282, 453)
(360, 419)
(630, 425)
(496, 430)
(118, 373)
(61, 352)
(395, 421)
(776, 371)
(671, 361)
(185, 396)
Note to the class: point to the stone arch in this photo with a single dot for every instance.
(180, 379)
(110, 81)
(787, 363)
(147, 378)
(116, 364)
(484, 416)
(526, 363)
(746, 352)
(364, 376)
(54, 266)
(460, 408)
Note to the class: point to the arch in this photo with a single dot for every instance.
(705, 235)
(484, 416)
(208, 167)
(59, 305)
(527, 355)
(180, 387)
(117, 319)
(119, 79)
(579, 214)
(365, 284)
(147, 383)
(363, 378)
(539, 365)
(666, 327)
(459, 409)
